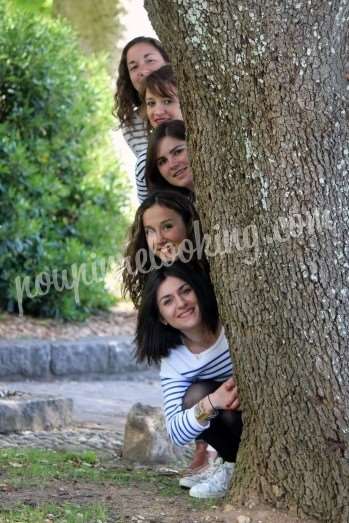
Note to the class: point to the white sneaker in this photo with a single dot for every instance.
(215, 486)
(190, 480)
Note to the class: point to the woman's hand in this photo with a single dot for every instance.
(226, 396)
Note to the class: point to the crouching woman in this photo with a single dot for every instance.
(178, 327)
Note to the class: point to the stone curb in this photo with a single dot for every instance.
(43, 359)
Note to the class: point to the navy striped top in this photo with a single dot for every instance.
(136, 137)
(142, 191)
(178, 371)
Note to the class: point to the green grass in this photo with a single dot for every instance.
(33, 470)
(39, 467)
(66, 513)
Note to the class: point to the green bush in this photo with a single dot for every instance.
(42, 7)
(62, 194)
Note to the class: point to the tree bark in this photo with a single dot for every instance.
(264, 98)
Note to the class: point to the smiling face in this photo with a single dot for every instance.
(162, 109)
(142, 59)
(178, 305)
(164, 230)
(173, 162)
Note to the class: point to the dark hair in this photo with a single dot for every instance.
(133, 279)
(154, 180)
(126, 97)
(161, 82)
(154, 339)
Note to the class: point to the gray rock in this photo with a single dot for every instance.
(146, 440)
(34, 413)
(30, 359)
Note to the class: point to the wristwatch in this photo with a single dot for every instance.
(201, 414)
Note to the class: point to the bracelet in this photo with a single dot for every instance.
(215, 411)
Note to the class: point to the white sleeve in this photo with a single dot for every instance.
(182, 425)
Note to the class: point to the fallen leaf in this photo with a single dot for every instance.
(16, 465)
(5, 487)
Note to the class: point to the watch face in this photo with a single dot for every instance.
(200, 414)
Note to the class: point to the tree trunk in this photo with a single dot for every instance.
(264, 97)
(97, 25)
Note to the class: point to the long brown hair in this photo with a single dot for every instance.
(126, 97)
(133, 279)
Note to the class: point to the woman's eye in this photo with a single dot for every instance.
(166, 302)
(161, 162)
(187, 290)
(168, 101)
(150, 103)
(168, 226)
(179, 151)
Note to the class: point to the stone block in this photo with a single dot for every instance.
(145, 438)
(80, 357)
(34, 413)
(121, 355)
(42, 359)
(30, 359)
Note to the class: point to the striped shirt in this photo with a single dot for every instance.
(136, 137)
(142, 191)
(180, 369)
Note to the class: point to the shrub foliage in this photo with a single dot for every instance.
(62, 194)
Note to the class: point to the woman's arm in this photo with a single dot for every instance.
(142, 191)
(136, 134)
(185, 425)
(226, 397)
(182, 425)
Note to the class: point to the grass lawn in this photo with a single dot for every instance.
(38, 486)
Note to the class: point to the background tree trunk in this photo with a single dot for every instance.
(97, 25)
(264, 97)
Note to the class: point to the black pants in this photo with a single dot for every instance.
(225, 430)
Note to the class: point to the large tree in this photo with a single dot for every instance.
(264, 97)
(96, 23)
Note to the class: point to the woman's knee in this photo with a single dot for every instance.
(197, 391)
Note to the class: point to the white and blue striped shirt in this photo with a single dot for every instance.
(136, 134)
(136, 137)
(142, 191)
(180, 369)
